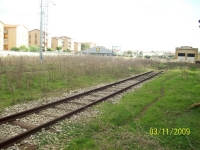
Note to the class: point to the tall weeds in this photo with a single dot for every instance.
(25, 74)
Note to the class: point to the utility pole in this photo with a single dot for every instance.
(45, 23)
(41, 28)
(41, 33)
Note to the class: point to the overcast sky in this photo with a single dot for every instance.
(149, 25)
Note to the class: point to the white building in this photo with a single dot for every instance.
(77, 47)
(1, 35)
(72, 45)
(21, 36)
(49, 41)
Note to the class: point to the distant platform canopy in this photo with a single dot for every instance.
(98, 50)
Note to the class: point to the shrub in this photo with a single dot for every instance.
(146, 56)
(23, 48)
(15, 49)
(33, 48)
(67, 50)
(49, 49)
(58, 48)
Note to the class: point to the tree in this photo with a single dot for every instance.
(15, 49)
(23, 48)
(33, 48)
(58, 48)
(85, 46)
(130, 52)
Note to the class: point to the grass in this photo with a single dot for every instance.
(25, 78)
(168, 102)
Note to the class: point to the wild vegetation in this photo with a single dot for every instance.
(23, 48)
(163, 114)
(25, 78)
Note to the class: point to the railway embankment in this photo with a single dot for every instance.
(162, 114)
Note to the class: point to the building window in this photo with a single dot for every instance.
(35, 35)
(181, 54)
(191, 55)
(35, 42)
(29, 36)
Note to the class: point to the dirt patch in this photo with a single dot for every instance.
(27, 147)
(162, 93)
(195, 106)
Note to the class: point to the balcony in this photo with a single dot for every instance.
(5, 36)
(5, 31)
(5, 41)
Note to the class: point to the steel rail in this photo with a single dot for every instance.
(36, 109)
(8, 142)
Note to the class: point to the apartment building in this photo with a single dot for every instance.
(15, 36)
(77, 47)
(34, 39)
(57, 42)
(68, 43)
(1, 35)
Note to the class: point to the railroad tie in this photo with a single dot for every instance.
(78, 103)
(23, 124)
(47, 115)
(1, 138)
(61, 108)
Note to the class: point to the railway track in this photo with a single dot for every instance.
(56, 111)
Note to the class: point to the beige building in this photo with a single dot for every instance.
(68, 43)
(199, 56)
(56, 42)
(34, 39)
(15, 36)
(1, 35)
(77, 47)
(63, 41)
(186, 53)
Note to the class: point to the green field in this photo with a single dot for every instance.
(163, 114)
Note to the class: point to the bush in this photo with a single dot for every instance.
(58, 48)
(146, 56)
(67, 50)
(33, 48)
(15, 49)
(49, 49)
(23, 48)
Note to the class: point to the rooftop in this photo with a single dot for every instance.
(13, 26)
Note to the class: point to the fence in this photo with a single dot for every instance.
(13, 53)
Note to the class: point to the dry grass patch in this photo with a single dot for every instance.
(25, 78)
